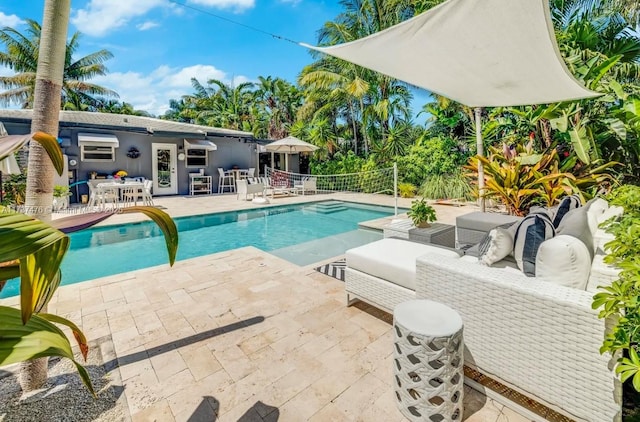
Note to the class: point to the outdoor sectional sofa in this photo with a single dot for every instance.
(537, 337)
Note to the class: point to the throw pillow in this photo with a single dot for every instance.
(549, 212)
(496, 246)
(567, 204)
(576, 223)
(564, 260)
(530, 233)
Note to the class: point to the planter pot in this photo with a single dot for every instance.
(423, 225)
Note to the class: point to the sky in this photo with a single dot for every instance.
(159, 45)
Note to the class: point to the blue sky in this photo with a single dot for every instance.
(159, 46)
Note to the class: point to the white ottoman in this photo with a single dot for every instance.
(428, 361)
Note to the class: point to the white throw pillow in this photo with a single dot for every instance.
(498, 246)
(564, 260)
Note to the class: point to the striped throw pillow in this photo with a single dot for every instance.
(531, 232)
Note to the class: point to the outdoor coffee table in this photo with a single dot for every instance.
(438, 233)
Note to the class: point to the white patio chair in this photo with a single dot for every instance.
(225, 180)
(132, 193)
(99, 195)
(147, 198)
(251, 172)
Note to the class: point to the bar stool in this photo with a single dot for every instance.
(226, 180)
(428, 361)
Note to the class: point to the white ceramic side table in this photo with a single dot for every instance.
(428, 361)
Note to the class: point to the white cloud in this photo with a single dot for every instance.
(100, 17)
(147, 25)
(152, 92)
(9, 20)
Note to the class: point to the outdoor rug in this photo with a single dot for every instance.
(334, 269)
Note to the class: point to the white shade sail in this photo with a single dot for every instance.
(200, 144)
(98, 139)
(481, 53)
(291, 145)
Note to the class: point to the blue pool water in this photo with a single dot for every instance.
(303, 234)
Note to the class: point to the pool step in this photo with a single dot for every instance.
(327, 207)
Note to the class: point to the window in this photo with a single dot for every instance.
(97, 153)
(197, 157)
(97, 147)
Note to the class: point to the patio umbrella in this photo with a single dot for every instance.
(8, 165)
(289, 145)
(479, 53)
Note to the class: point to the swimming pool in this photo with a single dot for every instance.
(302, 234)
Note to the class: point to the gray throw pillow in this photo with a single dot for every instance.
(576, 223)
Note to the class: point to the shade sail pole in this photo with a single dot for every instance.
(480, 152)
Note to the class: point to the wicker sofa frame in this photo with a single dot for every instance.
(538, 337)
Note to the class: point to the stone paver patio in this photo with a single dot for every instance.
(243, 335)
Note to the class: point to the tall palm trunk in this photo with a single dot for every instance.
(46, 109)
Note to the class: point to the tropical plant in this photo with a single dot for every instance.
(33, 251)
(22, 55)
(421, 213)
(620, 301)
(520, 178)
(14, 189)
(60, 191)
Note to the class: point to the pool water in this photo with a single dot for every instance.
(302, 234)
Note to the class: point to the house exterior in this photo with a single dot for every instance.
(100, 144)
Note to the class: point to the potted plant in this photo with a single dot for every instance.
(61, 196)
(421, 213)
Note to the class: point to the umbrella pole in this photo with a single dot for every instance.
(480, 152)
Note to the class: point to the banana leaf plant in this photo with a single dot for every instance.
(33, 251)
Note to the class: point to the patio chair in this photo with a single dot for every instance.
(132, 193)
(147, 198)
(307, 184)
(100, 196)
(243, 187)
(251, 172)
(225, 180)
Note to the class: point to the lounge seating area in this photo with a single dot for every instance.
(536, 332)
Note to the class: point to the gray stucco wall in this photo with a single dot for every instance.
(230, 152)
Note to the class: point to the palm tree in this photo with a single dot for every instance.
(278, 101)
(222, 105)
(47, 88)
(21, 55)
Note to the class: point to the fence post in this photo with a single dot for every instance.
(395, 187)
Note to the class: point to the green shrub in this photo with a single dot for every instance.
(447, 186)
(407, 190)
(621, 300)
(429, 157)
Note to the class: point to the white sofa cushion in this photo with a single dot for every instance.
(392, 259)
(564, 260)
